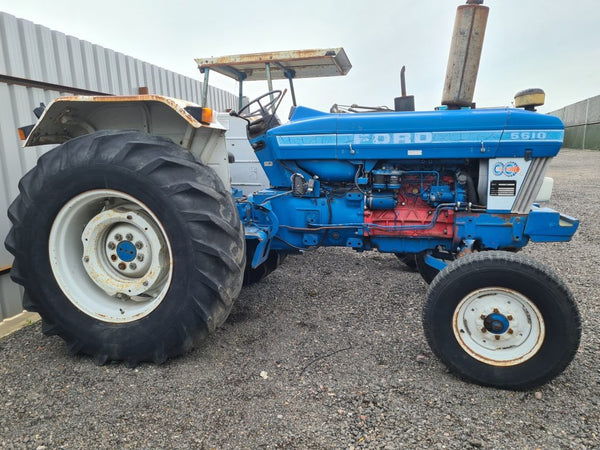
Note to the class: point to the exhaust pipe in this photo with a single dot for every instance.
(465, 54)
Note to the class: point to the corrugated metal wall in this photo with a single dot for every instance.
(582, 123)
(37, 65)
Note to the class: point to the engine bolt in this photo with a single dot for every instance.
(140, 257)
(139, 245)
(133, 266)
(118, 237)
(129, 236)
(111, 245)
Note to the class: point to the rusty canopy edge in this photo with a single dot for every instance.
(302, 63)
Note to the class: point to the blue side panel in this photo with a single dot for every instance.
(493, 230)
(297, 218)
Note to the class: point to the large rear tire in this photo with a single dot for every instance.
(500, 319)
(126, 246)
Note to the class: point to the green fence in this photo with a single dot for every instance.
(582, 123)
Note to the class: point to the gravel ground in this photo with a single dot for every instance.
(327, 352)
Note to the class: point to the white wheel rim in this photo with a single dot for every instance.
(110, 256)
(498, 326)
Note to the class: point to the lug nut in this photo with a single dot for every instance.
(86, 259)
(482, 317)
(111, 245)
(497, 337)
(484, 330)
(122, 266)
(139, 245)
(145, 283)
(118, 237)
(510, 331)
(509, 317)
(140, 257)
(496, 310)
(133, 266)
(129, 236)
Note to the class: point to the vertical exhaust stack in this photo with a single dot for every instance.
(406, 102)
(465, 53)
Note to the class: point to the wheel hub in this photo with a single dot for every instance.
(126, 251)
(110, 255)
(122, 252)
(496, 323)
(498, 326)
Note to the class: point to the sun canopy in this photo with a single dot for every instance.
(282, 65)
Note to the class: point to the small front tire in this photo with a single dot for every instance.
(502, 320)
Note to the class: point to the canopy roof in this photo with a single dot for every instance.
(283, 65)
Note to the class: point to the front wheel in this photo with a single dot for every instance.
(501, 320)
(127, 247)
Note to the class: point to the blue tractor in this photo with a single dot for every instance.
(132, 245)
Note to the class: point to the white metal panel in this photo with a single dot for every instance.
(32, 65)
(112, 70)
(12, 46)
(77, 64)
(65, 70)
(247, 173)
(89, 66)
(47, 55)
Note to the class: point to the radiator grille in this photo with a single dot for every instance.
(531, 185)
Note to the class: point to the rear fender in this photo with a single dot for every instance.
(180, 121)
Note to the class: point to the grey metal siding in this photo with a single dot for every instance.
(582, 123)
(32, 53)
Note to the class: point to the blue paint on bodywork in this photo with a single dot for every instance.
(352, 139)
(360, 164)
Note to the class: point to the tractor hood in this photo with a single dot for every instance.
(472, 133)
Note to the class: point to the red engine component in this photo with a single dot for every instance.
(411, 211)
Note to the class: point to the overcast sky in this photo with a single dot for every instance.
(550, 44)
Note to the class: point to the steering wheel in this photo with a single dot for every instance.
(261, 111)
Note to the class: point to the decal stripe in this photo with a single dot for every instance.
(424, 137)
